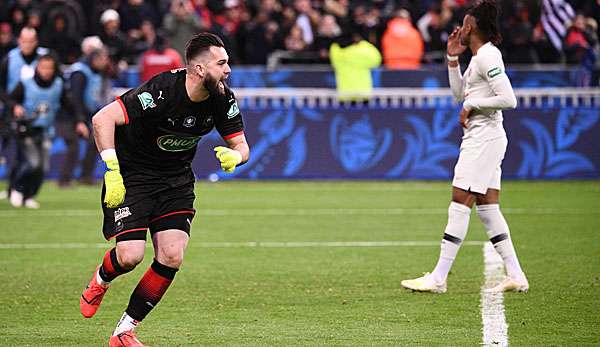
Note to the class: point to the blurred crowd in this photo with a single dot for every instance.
(304, 29)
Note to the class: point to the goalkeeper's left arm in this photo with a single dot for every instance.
(235, 154)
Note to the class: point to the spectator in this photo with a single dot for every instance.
(367, 22)
(90, 44)
(35, 102)
(20, 61)
(110, 35)
(577, 41)
(545, 50)
(327, 32)
(159, 58)
(352, 59)
(305, 18)
(203, 12)
(89, 88)
(288, 20)
(34, 19)
(434, 27)
(136, 12)
(401, 43)
(338, 8)
(136, 46)
(7, 41)
(227, 24)
(59, 40)
(18, 19)
(518, 39)
(181, 23)
(295, 40)
(261, 35)
(592, 27)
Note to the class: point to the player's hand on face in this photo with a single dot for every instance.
(454, 46)
(464, 118)
(82, 130)
(18, 111)
(228, 157)
(115, 189)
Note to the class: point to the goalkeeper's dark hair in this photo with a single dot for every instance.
(201, 43)
(486, 14)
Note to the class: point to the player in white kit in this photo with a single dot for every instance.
(486, 90)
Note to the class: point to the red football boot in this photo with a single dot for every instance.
(92, 297)
(125, 339)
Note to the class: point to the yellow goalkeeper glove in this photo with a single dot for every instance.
(228, 157)
(115, 189)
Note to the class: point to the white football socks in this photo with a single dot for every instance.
(499, 234)
(456, 230)
(125, 323)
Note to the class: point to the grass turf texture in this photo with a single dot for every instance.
(310, 296)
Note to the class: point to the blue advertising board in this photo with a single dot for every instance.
(396, 143)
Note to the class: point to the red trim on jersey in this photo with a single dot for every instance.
(230, 136)
(128, 231)
(124, 109)
(172, 213)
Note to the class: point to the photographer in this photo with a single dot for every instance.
(34, 103)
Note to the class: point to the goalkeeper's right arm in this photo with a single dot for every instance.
(104, 123)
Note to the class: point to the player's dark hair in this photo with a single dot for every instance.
(201, 43)
(486, 14)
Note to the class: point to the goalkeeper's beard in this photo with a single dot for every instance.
(214, 86)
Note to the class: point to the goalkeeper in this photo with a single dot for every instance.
(147, 139)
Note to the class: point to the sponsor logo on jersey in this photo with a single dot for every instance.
(233, 110)
(189, 122)
(493, 72)
(121, 213)
(174, 143)
(146, 100)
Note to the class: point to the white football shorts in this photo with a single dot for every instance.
(479, 165)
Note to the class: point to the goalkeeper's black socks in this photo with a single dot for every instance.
(150, 290)
(110, 268)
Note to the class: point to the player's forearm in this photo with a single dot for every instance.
(104, 123)
(498, 102)
(504, 97)
(455, 79)
(244, 150)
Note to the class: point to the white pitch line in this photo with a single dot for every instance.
(302, 212)
(495, 328)
(254, 244)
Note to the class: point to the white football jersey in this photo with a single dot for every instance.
(486, 90)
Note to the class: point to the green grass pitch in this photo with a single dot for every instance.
(230, 294)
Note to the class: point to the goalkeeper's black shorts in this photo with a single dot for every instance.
(150, 204)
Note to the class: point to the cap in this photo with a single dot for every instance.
(108, 16)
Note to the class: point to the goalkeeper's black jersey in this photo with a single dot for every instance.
(163, 126)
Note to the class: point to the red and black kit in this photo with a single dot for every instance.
(155, 149)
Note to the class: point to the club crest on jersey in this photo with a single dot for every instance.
(493, 72)
(173, 143)
(121, 213)
(233, 110)
(146, 100)
(189, 122)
